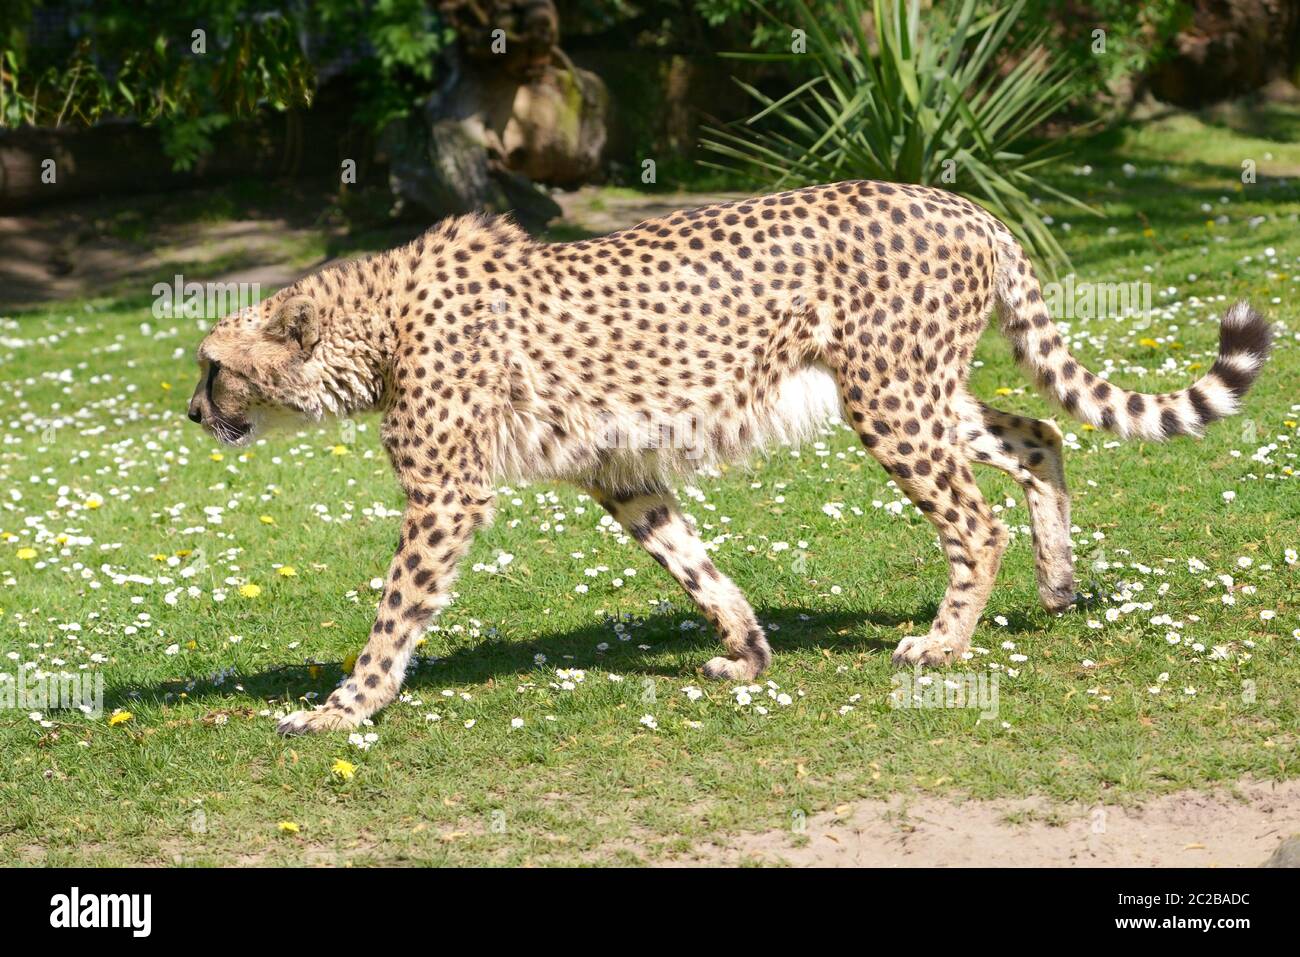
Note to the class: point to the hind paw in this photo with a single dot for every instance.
(928, 650)
(316, 722)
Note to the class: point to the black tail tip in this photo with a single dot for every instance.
(1245, 331)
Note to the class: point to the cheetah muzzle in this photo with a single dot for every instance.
(729, 328)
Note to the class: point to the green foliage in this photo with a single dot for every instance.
(765, 30)
(951, 105)
(1133, 35)
(143, 60)
(186, 140)
(167, 63)
(401, 40)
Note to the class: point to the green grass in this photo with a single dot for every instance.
(197, 775)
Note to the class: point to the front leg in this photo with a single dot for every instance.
(436, 532)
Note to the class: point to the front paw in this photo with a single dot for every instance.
(317, 721)
(1057, 598)
(731, 669)
(927, 650)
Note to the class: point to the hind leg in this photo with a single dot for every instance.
(972, 538)
(653, 519)
(1029, 450)
(920, 447)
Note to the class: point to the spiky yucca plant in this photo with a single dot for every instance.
(950, 103)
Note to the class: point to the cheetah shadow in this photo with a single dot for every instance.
(667, 645)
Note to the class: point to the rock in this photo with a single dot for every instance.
(1230, 47)
(503, 120)
(551, 129)
(1287, 854)
(448, 170)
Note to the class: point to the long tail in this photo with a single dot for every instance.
(1244, 343)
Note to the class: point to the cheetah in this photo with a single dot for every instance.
(495, 358)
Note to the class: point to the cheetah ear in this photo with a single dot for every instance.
(295, 321)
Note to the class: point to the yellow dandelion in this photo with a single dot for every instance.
(1148, 232)
(1002, 390)
(266, 519)
(1148, 342)
(192, 645)
(343, 770)
(158, 557)
(166, 386)
(8, 536)
(288, 827)
(61, 540)
(250, 590)
(1289, 423)
(1209, 224)
(339, 450)
(286, 571)
(216, 456)
(120, 717)
(1089, 428)
(94, 502)
(26, 554)
(1193, 366)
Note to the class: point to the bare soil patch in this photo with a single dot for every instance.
(123, 245)
(1237, 827)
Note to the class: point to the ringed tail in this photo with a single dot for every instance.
(1245, 340)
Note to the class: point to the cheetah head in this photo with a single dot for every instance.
(255, 363)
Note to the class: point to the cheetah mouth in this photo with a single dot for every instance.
(234, 432)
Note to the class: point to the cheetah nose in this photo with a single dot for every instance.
(196, 412)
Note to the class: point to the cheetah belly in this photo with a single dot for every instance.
(806, 400)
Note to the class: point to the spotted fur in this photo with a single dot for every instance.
(624, 362)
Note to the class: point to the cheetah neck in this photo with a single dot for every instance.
(372, 300)
(351, 368)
